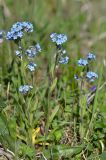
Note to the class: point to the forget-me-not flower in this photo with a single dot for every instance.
(64, 60)
(76, 77)
(91, 76)
(91, 56)
(58, 38)
(33, 50)
(30, 53)
(18, 53)
(24, 89)
(82, 62)
(17, 30)
(27, 26)
(31, 66)
(12, 35)
(37, 48)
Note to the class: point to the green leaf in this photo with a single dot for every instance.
(2, 104)
(59, 151)
(54, 112)
(26, 150)
(58, 134)
(68, 151)
(53, 85)
(103, 156)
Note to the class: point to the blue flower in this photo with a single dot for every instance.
(91, 56)
(82, 62)
(17, 27)
(13, 35)
(18, 53)
(91, 76)
(24, 89)
(58, 38)
(33, 50)
(37, 48)
(30, 53)
(17, 30)
(1, 34)
(64, 60)
(27, 26)
(76, 77)
(31, 66)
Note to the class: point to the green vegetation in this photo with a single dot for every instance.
(53, 121)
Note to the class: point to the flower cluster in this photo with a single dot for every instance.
(91, 56)
(64, 60)
(31, 52)
(82, 62)
(16, 33)
(24, 89)
(17, 30)
(58, 38)
(31, 66)
(91, 76)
